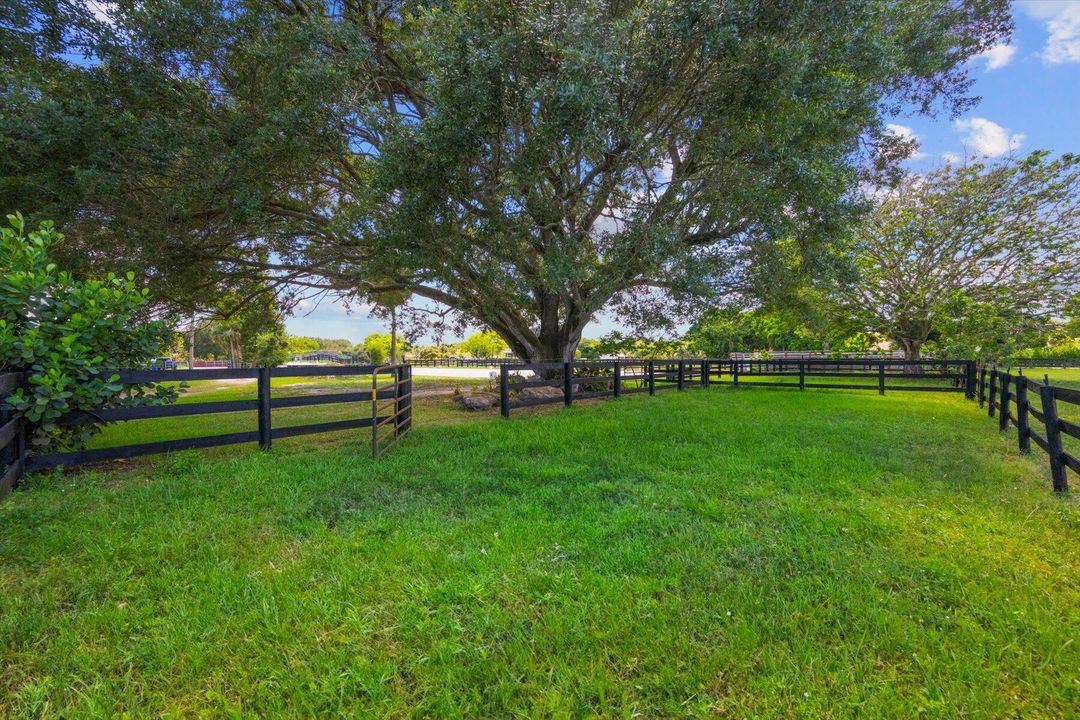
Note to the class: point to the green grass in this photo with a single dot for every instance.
(749, 553)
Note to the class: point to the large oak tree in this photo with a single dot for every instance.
(522, 163)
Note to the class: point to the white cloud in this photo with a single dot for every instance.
(1062, 21)
(997, 56)
(987, 138)
(907, 134)
(950, 158)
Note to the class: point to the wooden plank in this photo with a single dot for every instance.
(1053, 438)
(294, 430)
(1067, 395)
(1023, 423)
(158, 411)
(924, 388)
(44, 462)
(1069, 428)
(840, 386)
(767, 383)
(264, 416)
(10, 382)
(162, 376)
(9, 431)
(331, 399)
(1040, 441)
(10, 477)
(504, 391)
(568, 383)
(1071, 462)
(1037, 415)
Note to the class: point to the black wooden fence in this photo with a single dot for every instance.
(1045, 362)
(565, 382)
(1009, 397)
(387, 397)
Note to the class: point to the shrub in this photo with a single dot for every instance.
(63, 332)
(1068, 350)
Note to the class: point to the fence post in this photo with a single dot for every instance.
(375, 413)
(982, 386)
(504, 391)
(734, 372)
(1003, 406)
(969, 372)
(263, 391)
(14, 455)
(802, 375)
(881, 378)
(704, 373)
(651, 368)
(568, 383)
(1023, 429)
(992, 402)
(617, 383)
(1053, 437)
(682, 371)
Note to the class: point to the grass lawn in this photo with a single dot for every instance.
(750, 553)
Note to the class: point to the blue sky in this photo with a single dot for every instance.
(1030, 92)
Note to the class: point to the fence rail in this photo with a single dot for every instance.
(1045, 362)
(518, 384)
(1009, 398)
(390, 415)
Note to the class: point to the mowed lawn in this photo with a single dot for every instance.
(722, 552)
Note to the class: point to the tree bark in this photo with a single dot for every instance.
(911, 349)
(393, 336)
(191, 344)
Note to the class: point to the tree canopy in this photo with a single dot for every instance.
(378, 346)
(524, 164)
(484, 344)
(971, 251)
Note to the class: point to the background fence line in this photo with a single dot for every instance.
(586, 379)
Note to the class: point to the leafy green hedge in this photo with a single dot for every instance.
(1062, 351)
(63, 332)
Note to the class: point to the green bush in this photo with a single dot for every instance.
(63, 333)
(1068, 350)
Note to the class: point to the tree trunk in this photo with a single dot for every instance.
(911, 354)
(191, 345)
(393, 336)
(561, 323)
(236, 354)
